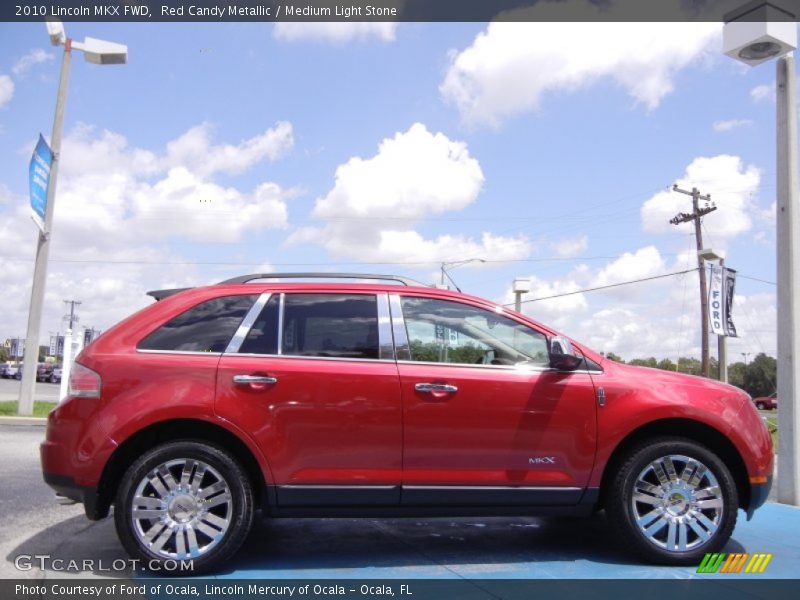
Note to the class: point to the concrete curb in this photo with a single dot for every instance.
(40, 421)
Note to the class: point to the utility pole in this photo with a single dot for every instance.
(72, 317)
(696, 214)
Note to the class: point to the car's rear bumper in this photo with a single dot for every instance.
(66, 486)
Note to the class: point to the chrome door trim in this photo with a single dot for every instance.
(247, 323)
(401, 346)
(280, 323)
(385, 338)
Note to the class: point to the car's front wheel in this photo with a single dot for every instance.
(184, 502)
(672, 500)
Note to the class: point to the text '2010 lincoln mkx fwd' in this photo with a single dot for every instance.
(318, 398)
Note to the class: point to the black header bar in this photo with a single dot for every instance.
(399, 10)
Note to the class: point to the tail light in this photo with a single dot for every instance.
(83, 382)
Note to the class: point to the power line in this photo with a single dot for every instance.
(309, 264)
(756, 279)
(606, 287)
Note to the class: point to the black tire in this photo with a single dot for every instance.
(760, 406)
(234, 504)
(662, 545)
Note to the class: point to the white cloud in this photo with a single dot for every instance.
(375, 202)
(645, 262)
(571, 247)
(730, 124)
(195, 147)
(761, 93)
(414, 174)
(337, 33)
(6, 90)
(31, 59)
(732, 186)
(511, 66)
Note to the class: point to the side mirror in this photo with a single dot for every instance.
(562, 355)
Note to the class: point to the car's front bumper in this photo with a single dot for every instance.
(759, 492)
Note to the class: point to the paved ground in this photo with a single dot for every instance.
(9, 390)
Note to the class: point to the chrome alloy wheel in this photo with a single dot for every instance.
(677, 503)
(181, 509)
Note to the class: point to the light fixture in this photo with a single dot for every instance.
(522, 285)
(759, 31)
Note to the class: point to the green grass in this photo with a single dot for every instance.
(772, 424)
(40, 409)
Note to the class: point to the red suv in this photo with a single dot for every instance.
(311, 399)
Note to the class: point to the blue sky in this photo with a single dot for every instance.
(546, 149)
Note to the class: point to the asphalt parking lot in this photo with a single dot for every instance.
(33, 524)
(47, 392)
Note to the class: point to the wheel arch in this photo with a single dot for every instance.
(699, 432)
(170, 431)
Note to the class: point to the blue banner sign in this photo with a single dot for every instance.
(41, 161)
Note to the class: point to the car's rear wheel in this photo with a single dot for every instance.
(672, 500)
(761, 406)
(184, 501)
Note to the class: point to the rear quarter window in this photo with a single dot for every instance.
(207, 327)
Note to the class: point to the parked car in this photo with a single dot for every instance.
(55, 375)
(767, 402)
(388, 398)
(9, 371)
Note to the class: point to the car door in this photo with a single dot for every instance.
(486, 421)
(312, 377)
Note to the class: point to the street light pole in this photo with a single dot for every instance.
(31, 359)
(788, 259)
(98, 52)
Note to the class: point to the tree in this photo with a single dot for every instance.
(761, 376)
(644, 362)
(666, 364)
(736, 373)
(614, 357)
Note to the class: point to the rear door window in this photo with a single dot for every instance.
(330, 325)
(207, 327)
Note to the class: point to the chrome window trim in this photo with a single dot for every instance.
(401, 346)
(280, 323)
(189, 352)
(385, 338)
(528, 369)
(247, 323)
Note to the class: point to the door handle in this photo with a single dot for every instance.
(254, 379)
(433, 388)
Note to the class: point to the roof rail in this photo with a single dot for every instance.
(254, 276)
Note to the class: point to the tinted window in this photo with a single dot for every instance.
(451, 332)
(335, 325)
(208, 327)
(263, 336)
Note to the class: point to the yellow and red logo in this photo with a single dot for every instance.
(735, 563)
